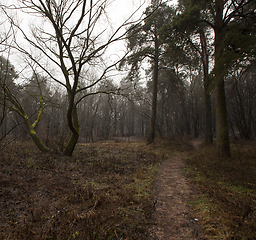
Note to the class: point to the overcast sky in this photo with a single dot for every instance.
(121, 10)
(118, 11)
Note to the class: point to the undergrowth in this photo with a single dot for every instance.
(105, 191)
(226, 204)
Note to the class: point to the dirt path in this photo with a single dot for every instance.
(173, 215)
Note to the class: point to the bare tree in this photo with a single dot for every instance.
(70, 37)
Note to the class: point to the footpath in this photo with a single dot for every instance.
(173, 215)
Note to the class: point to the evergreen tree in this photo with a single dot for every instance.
(223, 17)
(144, 43)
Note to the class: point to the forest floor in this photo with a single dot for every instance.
(203, 196)
(106, 190)
(125, 189)
(225, 203)
(173, 215)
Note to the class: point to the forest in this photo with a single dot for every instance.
(91, 106)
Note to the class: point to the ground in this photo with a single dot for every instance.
(173, 215)
(105, 191)
(174, 218)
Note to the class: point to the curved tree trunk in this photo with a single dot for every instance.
(73, 125)
(31, 127)
(35, 137)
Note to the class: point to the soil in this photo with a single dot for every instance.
(173, 215)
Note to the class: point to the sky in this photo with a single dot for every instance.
(121, 10)
(118, 11)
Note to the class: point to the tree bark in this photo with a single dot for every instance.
(35, 137)
(152, 129)
(207, 95)
(222, 144)
(73, 125)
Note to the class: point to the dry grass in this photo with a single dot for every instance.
(105, 191)
(226, 203)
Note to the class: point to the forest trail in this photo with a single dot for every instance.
(173, 215)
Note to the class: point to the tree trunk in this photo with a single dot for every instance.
(73, 125)
(207, 96)
(195, 119)
(223, 144)
(208, 117)
(152, 129)
(185, 114)
(71, 145)
(31, 127)
(35, 137)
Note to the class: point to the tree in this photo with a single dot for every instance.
(241, 92)
(15, 105)
(192, 39)
(69, 37)
(7, 77)
(207, 87)
(143, 41)
(181, 57)
(220, 15)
